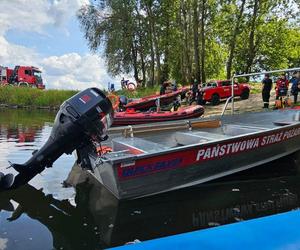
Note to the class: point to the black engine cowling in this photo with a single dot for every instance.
(81, 121)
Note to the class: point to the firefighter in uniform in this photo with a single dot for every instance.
(266, 89)
(295, 80)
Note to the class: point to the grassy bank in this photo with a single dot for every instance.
(23, 97)
(140, 92)
(52, 99)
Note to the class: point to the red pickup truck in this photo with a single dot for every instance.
(214, 91)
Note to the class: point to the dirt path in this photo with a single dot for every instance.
(254, 103)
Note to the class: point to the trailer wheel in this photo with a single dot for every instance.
(245, 94)
(215, 99)
(23, 84)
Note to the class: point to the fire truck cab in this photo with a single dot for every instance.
(25, 76)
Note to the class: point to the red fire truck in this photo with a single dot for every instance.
(22, 76)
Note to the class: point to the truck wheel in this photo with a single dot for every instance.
(245, 94)
(22, 84)
(215, 99)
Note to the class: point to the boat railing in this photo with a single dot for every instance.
(130, 131)
(226, 104)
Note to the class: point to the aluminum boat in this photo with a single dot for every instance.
(143, 160)
(146, 160)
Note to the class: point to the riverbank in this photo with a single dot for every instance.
(30, 98)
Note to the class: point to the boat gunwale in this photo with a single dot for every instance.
(191, 146)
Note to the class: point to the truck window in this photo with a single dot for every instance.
(212, 84)
(27, 72)
(226, 83)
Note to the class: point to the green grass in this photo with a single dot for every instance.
(255, 88)
(140, 92)
(34, 97)
(54, 98)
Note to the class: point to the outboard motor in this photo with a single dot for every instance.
(81, 121)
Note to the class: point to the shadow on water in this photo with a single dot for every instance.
(34, 218)
(98, 219)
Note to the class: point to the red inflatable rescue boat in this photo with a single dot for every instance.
(149, 101)
(130, 116)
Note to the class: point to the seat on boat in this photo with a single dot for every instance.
(187, 138)
(136, 145)
(238, 129)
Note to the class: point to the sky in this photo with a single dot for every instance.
(46, 34)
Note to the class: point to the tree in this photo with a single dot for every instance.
(159, 39)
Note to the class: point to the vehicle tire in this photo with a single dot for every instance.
(245, 94)
(22, 84)
(215, 99)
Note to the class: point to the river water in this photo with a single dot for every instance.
(46, 215)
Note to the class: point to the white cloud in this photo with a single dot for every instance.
(62, 10)
(71, 71)
(63, 72)
(34, 15)
(10, 53)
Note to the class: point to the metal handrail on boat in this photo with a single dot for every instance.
(226, 104)
(129, 131)
(253, 74)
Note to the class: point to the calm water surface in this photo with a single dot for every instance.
(44, 215)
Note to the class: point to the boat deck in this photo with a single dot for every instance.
(157, 138)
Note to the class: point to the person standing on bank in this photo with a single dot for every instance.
(266, 89)
(295, 80)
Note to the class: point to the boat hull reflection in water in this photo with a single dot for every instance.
(99, 220)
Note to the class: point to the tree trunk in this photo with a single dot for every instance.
(165, 72)
(157, 54)
(196, 40)
(154, 43)
(142, 44)
(134, 62)
(203, 17)
(187, 61)
(152, 59)
(233, 39)
(252, 48)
